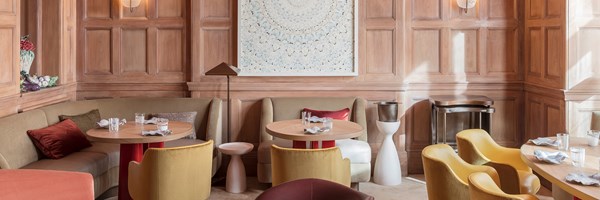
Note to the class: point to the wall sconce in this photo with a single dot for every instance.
(131, 4)
(466, 4)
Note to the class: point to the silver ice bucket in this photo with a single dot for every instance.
(387, 111)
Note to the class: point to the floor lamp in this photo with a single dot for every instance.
(225, 69)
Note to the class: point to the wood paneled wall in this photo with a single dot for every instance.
(545, 61)
(9, 56)
(408, 50)
(139, 53)
(451, 52)
(583, 71)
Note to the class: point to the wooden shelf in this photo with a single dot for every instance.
(47, 96)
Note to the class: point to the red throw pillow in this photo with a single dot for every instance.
(60, 139)
(338, 114)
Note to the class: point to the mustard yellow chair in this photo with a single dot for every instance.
(446, 175)
(172, 173)
(482, 187)
(293, 164)
(477, 147)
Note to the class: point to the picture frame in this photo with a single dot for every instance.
(298, 37)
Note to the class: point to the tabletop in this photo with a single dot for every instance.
(557, 173)
(130, 133)
(294, 130)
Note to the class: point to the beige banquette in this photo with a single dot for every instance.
(101, 159)
(357, 150)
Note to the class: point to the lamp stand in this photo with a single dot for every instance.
(228, 112)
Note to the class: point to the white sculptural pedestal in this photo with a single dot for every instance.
(236, 173)
(387, 165)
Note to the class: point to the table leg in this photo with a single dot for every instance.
(129, 152)
(236, 175)
(153, 145)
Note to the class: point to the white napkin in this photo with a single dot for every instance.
(544, 141)
(156, 133)
(315, 130)
(550, 157)
(151, 121)
(315, 119)
(103, 123)
(583, 179)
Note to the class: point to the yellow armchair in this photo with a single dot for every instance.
(172, 173)
(447, 175)
(482, 187)
(293, 164)
(477, 147)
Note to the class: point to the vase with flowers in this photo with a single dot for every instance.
(27, 54)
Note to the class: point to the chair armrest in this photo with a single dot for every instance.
(360, 116)
(512, 157)
(215, 123)
(135, 183)
(508, 176)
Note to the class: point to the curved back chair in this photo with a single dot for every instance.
(482, 187)
(447, 175)
(172, 173)
(477, 147)
(312, 189)
(292, 164)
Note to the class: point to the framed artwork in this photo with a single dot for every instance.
(298, 37)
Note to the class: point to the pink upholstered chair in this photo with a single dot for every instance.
(312, 189)
(17, 184)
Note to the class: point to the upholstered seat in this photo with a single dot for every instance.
(277, 109)
(482, 187)
(312, 189)
(447, 175)
(172, 173)
(17, 184)
(293, 164)
(477, 147)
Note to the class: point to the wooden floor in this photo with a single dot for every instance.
(412, 187)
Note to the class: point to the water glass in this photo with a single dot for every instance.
(592, 137)
(328, 123)
(563, 141)
(139, 118)
(306, 118)
(578, 156)
(162, 124)
(113, 125)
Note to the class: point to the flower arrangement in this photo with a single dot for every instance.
(32, 82)
(26, 53)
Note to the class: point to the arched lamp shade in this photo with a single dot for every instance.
(131, 4)
(466, 4)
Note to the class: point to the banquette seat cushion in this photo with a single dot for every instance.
(357, 150)
(101, 159)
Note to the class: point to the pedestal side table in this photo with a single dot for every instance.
(236, 172)
(387, 165)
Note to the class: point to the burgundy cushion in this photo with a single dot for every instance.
(60, 139)
(338, 114)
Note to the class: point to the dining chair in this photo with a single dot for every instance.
(477, 147)
(292, 164)
(312, 189)
(482, 187)
(172, 173)
(446, 174)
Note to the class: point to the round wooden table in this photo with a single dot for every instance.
(294, 130)
(557, 173)
(133, 144)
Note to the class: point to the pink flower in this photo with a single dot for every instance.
(26, 44)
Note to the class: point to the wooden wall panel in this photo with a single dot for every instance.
(98, 52)
(134, 50)
(465, 49)
(503, 9)
(147, 46)
(170, 51)
(9, 56)
(426, 52)
(380, 52)
(380, 9)
(170, 9)
(545, 112)
(426, 9)
(97, 9)
(506, 61)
